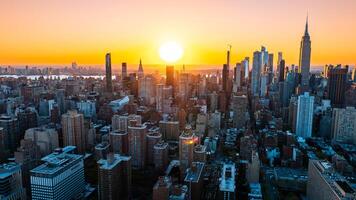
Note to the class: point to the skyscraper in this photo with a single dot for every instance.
(344, 125)
(170, 75)
(11, 182)
(225, 77)
(304, 58)
(305, 115)
(256, 73)
(73, 130)
(137, 145)
(337, 80)
(123, 70)
(281, 70)
(114, 177)
(61, 176)
(140, 73)
(11, 132)
(186, 149)
(108, 72)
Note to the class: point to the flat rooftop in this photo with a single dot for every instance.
(110, 163)
(57, 161)
(227, 180)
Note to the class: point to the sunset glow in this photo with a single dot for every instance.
(58, 32)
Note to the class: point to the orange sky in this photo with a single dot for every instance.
(38, 32)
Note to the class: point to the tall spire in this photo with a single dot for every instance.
(306, 26)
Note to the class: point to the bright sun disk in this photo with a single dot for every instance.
(170, 51)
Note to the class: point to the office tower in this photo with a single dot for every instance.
(183, 86)
(264, 55)
(337, 81)
(11, 182)
(137, 145)
(240, 109)
(170, 75)
(256, 73)
(213, 101)
(60, 99)
(199, 153)
(123, 70)
(253, 169)
(146, 89)
(344, 125)
(264, 84)
(27, 119)
(73, 130)
(194, 179)
(353, 75)
(324, 183)
(108, 72)
(281, 65)
(119, 142)
(225, 77)
(292, 113)
(304, 58)
(160, 155)
(45, 138)
(187, 142)
(279, 59)
(61, 176)
(140, 73)
(201, 124)
(162, 188)
(245, 64)
(248, 144)
(11, 132)
(114, 177)
(153, 137)
(28, 156)
(227, 182)
(305, 115)
(270, 68)
(159, 97)
(169, 129)
(238, 76)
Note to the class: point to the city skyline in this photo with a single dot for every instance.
(60, 32)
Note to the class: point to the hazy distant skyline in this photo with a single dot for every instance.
(38, 32)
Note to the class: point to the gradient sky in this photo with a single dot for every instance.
(38, 32)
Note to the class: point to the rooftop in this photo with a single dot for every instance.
(227, 180)
(7, 169)
(194, 173)
(112, 161)
(57, 161)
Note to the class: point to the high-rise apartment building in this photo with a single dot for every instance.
(73, 130)
(114, 177)
(119, 142)
(160, 155)
(61, 176)
(137, 145)
(187, 142)
(305, 115)
(344, 125)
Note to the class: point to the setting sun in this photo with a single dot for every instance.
(170, 51)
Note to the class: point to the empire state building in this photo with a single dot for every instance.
(304, 59)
